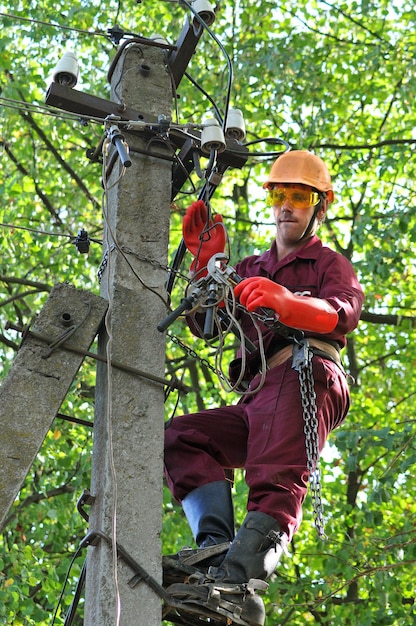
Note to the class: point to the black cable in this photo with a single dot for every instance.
(69, 617)
(204, 93)
(271, 141)
(77, 553)
(60, 26)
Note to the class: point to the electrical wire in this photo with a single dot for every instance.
(235, 327)
(271, 141)
(107, 322)
(49, 111)
(61, 595)
(19, 18)
(114, 242)
(45, 232)
(36, 231)
(204, 93)
(207, 189)
(231, 326)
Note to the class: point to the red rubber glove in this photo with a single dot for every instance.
(203, 247)
(303, 312)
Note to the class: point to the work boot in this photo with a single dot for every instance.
(210, 514)
(230, 588)
(254, 553)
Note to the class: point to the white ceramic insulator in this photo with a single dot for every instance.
(66, 71)
(158, 39)
(205, 10)
(235, 128)
(212, 136)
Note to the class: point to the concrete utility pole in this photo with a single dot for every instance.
(127, 468)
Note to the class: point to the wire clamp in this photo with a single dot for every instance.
(115, 137)
(82, 241)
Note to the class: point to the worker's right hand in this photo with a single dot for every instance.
(202, 239)
(315, 315)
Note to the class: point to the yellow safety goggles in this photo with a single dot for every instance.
(298, 197)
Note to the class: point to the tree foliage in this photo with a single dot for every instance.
(334, 77)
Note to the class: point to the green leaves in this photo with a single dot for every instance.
(338, 79)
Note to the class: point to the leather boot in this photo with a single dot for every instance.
(254, 553)
(210, 514)
(230, 589)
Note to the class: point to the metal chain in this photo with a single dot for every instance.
(142, 257)
(308, 397)
(191, 353)
(103, 263)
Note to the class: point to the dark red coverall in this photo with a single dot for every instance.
(264, 433)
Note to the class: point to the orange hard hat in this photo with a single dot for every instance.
(301, 166)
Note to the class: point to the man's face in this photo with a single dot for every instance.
(291, 220)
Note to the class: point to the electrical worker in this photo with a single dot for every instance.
(311, 288)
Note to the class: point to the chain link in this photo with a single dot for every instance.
(104, 262)
(194, 355)
(142, 257)
(308, 397)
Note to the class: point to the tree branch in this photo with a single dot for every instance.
(34, 498)
(20, 296)
(24, 281)
(21, 168)
(29, 118)
(391, 320)
(357, 23)
(367, 146)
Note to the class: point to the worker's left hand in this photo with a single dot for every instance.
(201, 236)
(259, 292)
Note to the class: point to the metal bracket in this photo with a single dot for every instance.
(178, 59)
(66, 320)
(85, 498)
(235, 154)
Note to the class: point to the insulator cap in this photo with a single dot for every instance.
(205, 10)
(235, 128)
(66, 71)
(158, 39)
(212, 136)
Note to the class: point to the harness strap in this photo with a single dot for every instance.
(319, 347)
